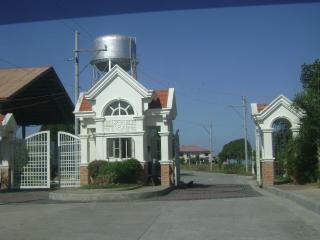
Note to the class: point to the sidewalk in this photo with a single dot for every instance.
(88, 195)
(23, 196)
(307, 196)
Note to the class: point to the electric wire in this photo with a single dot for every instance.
(27, 71)
(32, 104)
(75, 22)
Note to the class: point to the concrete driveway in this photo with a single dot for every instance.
(258, 215)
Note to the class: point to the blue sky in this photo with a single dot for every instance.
(212, 57)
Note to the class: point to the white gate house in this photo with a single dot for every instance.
(32, 162)
(69, 159)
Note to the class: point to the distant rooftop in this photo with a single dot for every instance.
(193, 149)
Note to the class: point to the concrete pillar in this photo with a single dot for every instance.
(84, 149)
(166, 162)
(267, 142)
(258, 162)
(164, 146)
(268, 159)
(92, 149)
(100, 140)
(138, 148)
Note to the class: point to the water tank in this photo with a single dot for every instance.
(114, 49)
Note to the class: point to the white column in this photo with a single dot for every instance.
(139, 148)
(100, 146)
(92, 147)
(258, 163)
(267, 142)
(84, 149)
(165, 158)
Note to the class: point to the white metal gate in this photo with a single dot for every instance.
(69, 159)
(32, 162)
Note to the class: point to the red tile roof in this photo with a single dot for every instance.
(193, 149)
(261, 106)
(160, 99)
(85, 105)
(2, 117)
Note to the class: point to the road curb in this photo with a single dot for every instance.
(300, 200)
(87, 196)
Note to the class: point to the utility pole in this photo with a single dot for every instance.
(244, 103)
(209, 132)
(211, 148)
(245, 129)
(76, 78)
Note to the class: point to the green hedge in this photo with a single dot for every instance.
(103, 172)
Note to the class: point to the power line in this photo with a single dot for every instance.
(33, 104)
(10, 63)
(245, 129)
(29, 98)
(183, 94)
(188, 88)
(27, 71)
(67, 25)
(61, 8)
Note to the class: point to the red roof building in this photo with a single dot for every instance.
(160, 99)
(193, 149)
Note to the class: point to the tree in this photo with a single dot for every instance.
(303, 152)
(234, 150)
(55, 128)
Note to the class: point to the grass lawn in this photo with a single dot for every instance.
(228, 169)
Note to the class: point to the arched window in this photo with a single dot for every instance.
(280, 137)
(118, 108)
(282, 130)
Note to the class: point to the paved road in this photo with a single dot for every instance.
(251, 216)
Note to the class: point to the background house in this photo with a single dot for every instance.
(194, 153)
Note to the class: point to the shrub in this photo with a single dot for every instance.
(301, 160)
(102, 172)
(128, 171)
(95, 167)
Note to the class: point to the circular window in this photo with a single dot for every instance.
(117, 108)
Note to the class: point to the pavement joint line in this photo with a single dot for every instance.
(293, 197)
(300, 200)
